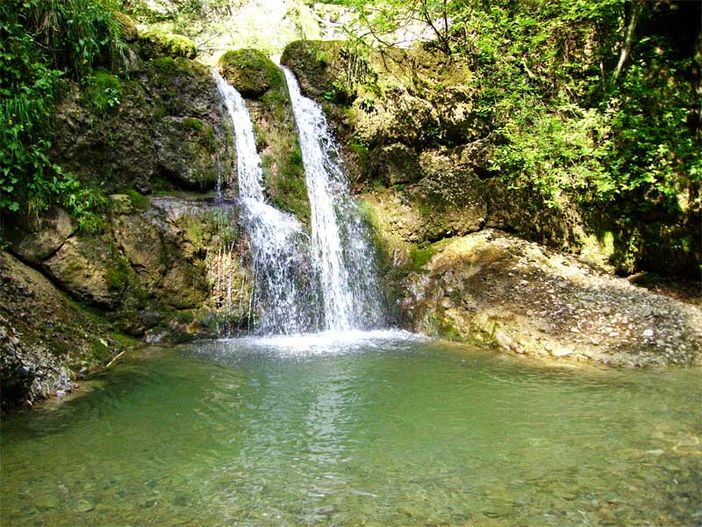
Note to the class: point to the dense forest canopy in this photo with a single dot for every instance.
(596, 100)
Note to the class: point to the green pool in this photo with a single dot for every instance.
(362, 429)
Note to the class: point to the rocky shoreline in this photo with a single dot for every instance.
(493, 288)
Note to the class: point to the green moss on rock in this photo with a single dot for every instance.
(184, 151)
(102, 92)
(128, 25)
(251, 72)
(154, 43)
(316, 65)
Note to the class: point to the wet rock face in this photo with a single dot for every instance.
(169, 123)
(163, 255)
(141, 259)
(119, 146)
(28, 373)
(493, 288)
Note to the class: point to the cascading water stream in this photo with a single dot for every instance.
(328, 282)
(285, 282)
(340, 239)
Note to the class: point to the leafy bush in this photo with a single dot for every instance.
(102, 92)
(41, 42)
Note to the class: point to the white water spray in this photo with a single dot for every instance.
(340, 239)
(285, 286)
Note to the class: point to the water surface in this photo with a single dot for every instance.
(368, 429)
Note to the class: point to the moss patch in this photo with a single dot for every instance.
(154, 43)
(102, 92)
(139, 201)
(251, 72)
(117, 275)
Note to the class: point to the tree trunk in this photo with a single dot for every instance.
(636, 7)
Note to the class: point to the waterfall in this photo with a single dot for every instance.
(326, 281)
(285, 290)
(340, 239)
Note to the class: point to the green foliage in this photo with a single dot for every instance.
(593, 103)
(101, 92)
(553, 151)
(563, 126)
(560, 120)
(42, 41)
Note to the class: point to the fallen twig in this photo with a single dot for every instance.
(113, 360)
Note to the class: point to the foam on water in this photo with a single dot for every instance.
(323, 343)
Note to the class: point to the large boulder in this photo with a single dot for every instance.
(316, 64)
(117, 147)
(185, 151)
(181, 87)
(154, 43)
(35, 241)
(90, 269)
(493, 288)
(251, 72)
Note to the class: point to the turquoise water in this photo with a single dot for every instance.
(385, 430)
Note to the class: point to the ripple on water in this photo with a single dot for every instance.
(379, 427)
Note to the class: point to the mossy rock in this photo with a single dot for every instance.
(181, 87)
(184, 149)
(154, 43)
(316, 64)
(251, 72)
(258, 79)
(102, 93)
(277, 141)
(128, 25)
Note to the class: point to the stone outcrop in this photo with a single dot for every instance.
(493, 288)
(168, 130)
(45, 339)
